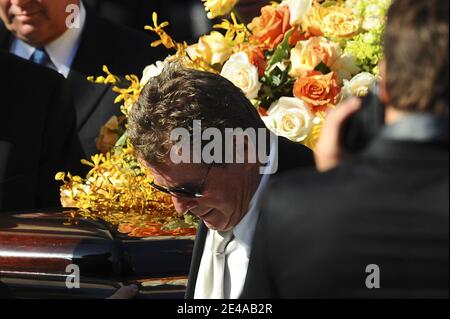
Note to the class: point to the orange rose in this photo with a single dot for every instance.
(317, 90)
(295, 37)
(271, 25)
(255, 56)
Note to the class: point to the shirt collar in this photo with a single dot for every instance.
(61, 51)
(423, 127)
(245, 229)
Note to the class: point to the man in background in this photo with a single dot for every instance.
(37, 135)
(68, 37)
(376, 226)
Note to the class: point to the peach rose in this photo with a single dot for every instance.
(340, 22)
(317, 90)
(306, 55)
(271, 25)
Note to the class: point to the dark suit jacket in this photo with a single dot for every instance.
(37, 134)
(290, 156)
(123, 50)
(319, 232)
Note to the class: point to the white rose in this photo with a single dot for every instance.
(297, 9)
(345, 67)
(243, 74)
(289, 117)
(359, 85)
(151, 71)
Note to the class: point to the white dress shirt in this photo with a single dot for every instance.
(61, 51)
(237, 253)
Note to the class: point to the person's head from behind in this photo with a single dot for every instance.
(219, 193)
(416, 75)
(36, 22)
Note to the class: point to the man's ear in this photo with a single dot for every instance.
(383, 94)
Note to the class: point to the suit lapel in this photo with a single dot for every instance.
(87, 63)
(87, 95)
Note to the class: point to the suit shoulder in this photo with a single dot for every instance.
(293, 155)
(123, 40)
(16, 68)
(123, 50)
(306, 193)
(117, 31)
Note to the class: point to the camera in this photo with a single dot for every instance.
(361, 127)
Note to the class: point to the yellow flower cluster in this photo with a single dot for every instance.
(117, 190)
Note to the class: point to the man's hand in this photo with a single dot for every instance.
(328, 153)
(125, 292)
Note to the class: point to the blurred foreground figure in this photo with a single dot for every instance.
(376, 226)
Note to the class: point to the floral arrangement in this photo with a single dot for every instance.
(294, 62)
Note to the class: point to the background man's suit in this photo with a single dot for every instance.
(319, 232)
(123, 50)
(37, 134)
(290, 156)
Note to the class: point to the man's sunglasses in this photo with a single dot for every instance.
(183, 191)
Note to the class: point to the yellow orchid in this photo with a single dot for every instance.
(218, 8)
(165, 39)
(235, 32)
(109, 79)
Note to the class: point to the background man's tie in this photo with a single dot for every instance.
(214, 281)
(41, 57)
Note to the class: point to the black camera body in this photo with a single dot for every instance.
(361, 127)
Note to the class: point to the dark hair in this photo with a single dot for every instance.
(177, 97)
(416, 53)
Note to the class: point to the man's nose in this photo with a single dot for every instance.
(182, 205)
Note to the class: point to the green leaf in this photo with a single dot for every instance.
(122, 141)
(282, 51)
(323, 68)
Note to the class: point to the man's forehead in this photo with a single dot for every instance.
(171, 173)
